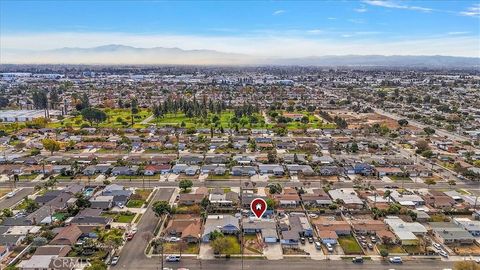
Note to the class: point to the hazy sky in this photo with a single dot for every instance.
(269, 28)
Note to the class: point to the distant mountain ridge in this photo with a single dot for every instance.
(122, 54)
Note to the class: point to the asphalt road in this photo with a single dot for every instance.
(132, 255)
(290, 264)
(22, 193)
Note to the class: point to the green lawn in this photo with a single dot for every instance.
(124, 217)
(113, 115)
(198, 122)
(191, 248)
(349, 245)
(391, 248)
(219, 177)
(234, 245)
(313, 122)
(400, 178)
(27, 177)
(135, 203)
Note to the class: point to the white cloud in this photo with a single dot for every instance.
(315, 31)
(361, 10)
(277, 45)
(278, 12)
(473, 11)
(391, 4)
(457, 33)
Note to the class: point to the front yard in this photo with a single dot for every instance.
(349, 245)
(391, 248)
(252, 245)
(174, 248)
(124, 217)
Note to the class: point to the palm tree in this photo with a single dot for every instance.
(387, 194)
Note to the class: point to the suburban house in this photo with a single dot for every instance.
(450, 233)
(274, 169)
(266, 227)
(67, 236)
(227, 224)
(347, 196)
(406, 232)
(186, 227)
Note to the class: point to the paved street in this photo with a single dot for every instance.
(22, 193)
(132, 254)
(291, 264)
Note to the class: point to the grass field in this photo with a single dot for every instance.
(116, 118)
(349, 245)
(197, 122)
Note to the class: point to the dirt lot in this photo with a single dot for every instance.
(467, 250)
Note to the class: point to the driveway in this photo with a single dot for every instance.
(315, 254)
(206, 252)
(273, 251)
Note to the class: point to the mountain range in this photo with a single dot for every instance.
(120, 54)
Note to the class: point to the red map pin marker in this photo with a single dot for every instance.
(258, 207)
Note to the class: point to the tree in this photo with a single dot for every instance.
(221, 245)
(275, 188)
(387, 194)
(39, 241)
(430, 182)
(384, 253)
(94, 115)
(215, 234)
(161, 208)
(451, 183)
(304, 120)
(270, 203)
(51, 145)
(403, 122)
(7, 212)
(354, 147)
(185, 184)
(422, 145)
(429, 131)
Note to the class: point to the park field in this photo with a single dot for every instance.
(116, 118)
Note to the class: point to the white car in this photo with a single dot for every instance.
(10, 194)
(443, 253)
(395, 260)
(114, 260)
(437, 246)
(173, 258)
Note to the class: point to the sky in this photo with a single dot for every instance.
(258, 28)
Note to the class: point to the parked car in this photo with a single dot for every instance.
(318, 245)
(302, 240)
(443, 253)
(437, 246)
(370, 246)
(310, 240)
(173, 258)
(395, 260)
(114, 260)
(357, 260)
(329, 247)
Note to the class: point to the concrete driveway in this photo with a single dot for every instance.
(273, 251)
(315, 254)
(206, 252)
